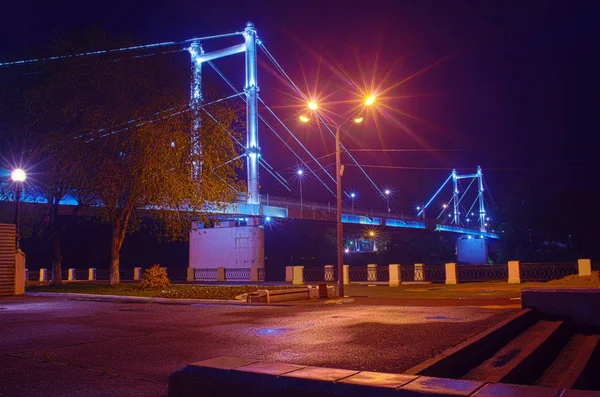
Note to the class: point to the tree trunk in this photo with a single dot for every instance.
(56, 260)
(115, 248)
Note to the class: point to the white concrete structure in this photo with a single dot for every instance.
(43, 274)
(297, 275)
(395, 275)
(514, 272)
(451, 273)
(137, 273)
(227, 245)
(419, 272)
(92, 273)
(71, 275)
(585, 267)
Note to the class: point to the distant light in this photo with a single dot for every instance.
(472, 214)
(387, 192)
(445, 206)
(173, 144)
(359, 120)
(456, 191)
(268, 219)
(347, 250)
(372, 233)
(370, 100)
(18, 175)
(300, 172)
(313, 105)
(353, 195)
(468, 220)
(488, 219)
(418, 208)
(449, 215)
(470, 237)
(304, 119)
(485, 224)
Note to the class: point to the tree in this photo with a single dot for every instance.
(119, 136)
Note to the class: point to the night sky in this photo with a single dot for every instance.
(510, 86)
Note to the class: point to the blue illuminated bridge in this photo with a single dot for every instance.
(458, 203)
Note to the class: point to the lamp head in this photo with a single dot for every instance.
(18, 175)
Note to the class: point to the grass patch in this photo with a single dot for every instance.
(174, 292)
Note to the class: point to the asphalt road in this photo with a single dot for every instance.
(78, 347)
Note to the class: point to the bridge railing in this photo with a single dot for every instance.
(547, 271)
(474, 273)
(205, 274)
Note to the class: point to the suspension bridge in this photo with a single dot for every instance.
(463, 212)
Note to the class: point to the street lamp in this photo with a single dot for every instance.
(352, 197)
(357, 119)
(18, 176)
(387, 199)
(300, 172)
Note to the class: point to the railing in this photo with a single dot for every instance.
(407, 273)
(596, 266)
(358, 274)
(205, 274)
(261, 274)
(331, 274)
(547, 271)
(383, 273)
(466, 273)
(314, 274)
(435, 274)
(237, 274)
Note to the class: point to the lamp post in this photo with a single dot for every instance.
(18, 176)
(352, 197)
(338, 178)
(387, 200)
(300, 172)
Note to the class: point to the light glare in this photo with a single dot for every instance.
(313, 105)
(304, 119)
(18, 175)
(359, 120)
(370, 100)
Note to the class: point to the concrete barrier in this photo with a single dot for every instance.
(283, 295)
(580, 305)
(346, 275)
(221, 274)
(228, 376)
(71, 275)
(514, 272)
(137, 273)
(451, 273)
(20, 273)
(289, 274)
(395, 276)
(43, 274)
(297, 275)
(91, 274)
(584, 267)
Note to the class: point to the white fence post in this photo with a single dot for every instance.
(221, 274)
(395, 276)
(71, 275)
(514, 272)
(419, 272)
(92, 274)
(584, 267)
(451, 273)
(346, 274)
(43, 274)
(137, 273)
(297, 275)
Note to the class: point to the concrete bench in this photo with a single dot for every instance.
(281, 295)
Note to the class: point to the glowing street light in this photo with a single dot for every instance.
(352, 197)
(347, 250)
(300, 172)
(371, 233)
(18, 176)
(356, 118)
(445, 206)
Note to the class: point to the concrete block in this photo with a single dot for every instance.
(254, 274)
(224, 362)
(395, 276)
(371, 272)
(221, 274)
(581, 305)
(451, 273)
(346, 274)
(289, 274)
(378, 379)
(419, 273)
(92, 273)
(426, 385)
(514, 272)
(298, 275)
(506, 390)
(276, 369)
(43, 274)
(20, 273)
(321, 373)
(137, 273)
(71, 275)
(190, 274)
(585, 267)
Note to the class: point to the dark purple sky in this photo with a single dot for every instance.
(515, 91)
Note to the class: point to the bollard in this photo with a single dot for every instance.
(191, 274)
(71, 275)
(585, 267)
(92, 274)
(514, 272)
(451, 273)
(297, 275)
(43, 275)
(419, 272)
(395, 275)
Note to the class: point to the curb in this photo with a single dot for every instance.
(176, 301)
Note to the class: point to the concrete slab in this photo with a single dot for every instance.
(270, 368)
(224, 362)
(321, 374)
(580, 393)
(378, 379)
(426, 385)
(581, 305)
(506, 390)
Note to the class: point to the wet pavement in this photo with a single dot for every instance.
(77, 346)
